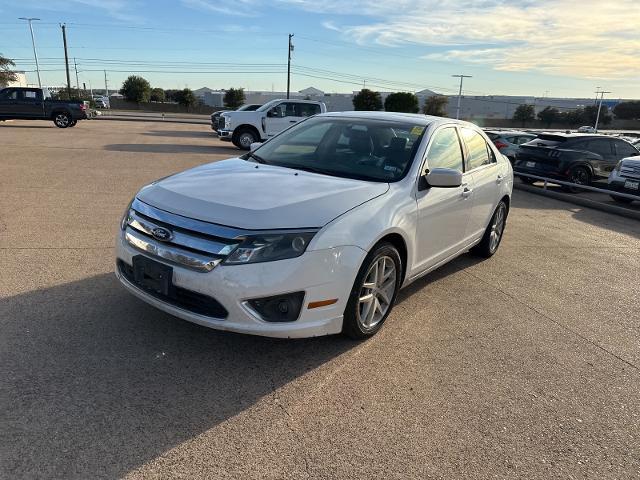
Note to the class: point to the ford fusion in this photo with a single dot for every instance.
(315, 231)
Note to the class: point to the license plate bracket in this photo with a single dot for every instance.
(151, 275)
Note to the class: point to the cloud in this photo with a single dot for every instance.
(116, 9)
(239, 8)
(587, 38)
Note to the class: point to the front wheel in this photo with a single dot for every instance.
(245, 138)
(62, 120)
(374, 292)
(493, 233)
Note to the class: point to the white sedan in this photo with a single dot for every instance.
(315, 231)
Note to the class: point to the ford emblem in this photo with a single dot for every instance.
(161, 234)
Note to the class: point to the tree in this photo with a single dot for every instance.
(136, 89)
(6, 74)
(574, 117)
(436, 105)
(591, 112)
(549, 115)
(185, 97)
(367, 101)
(524, 113)
(402, 102)
(234, 98)
(157, 95)
(627, 110)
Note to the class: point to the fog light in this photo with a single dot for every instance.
(279, 308)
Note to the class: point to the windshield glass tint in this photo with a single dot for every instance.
(375, 150)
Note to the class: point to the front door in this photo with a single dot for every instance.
(281, 117)
(443, 213)
(30, 103)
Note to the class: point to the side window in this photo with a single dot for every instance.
(600, 146)
(278, 111)
(308, 109)
(289, 109)
(30, 94)
(9, 94)
(624, 149)
(492, 156)
(445, 150)
(478, 152)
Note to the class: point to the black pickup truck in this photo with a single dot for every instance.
(37, 104)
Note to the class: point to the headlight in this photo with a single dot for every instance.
(618, 165)
(270, 247)
(227, 122)
(125, 216)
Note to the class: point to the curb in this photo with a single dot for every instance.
(152, 119)
(576, 200)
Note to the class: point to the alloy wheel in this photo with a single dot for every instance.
(377, 292)
(245, 140)
(497, 227)
(62, 120)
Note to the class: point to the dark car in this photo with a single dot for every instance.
(509, 141)
(572, 157)
(19, 103)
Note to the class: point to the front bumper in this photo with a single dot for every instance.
(617, 183)
(322, 274)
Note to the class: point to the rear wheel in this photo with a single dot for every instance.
(493, 234)
(374, 292)
(62, 120)
(579, 176)
(244, 138)
(73, 123)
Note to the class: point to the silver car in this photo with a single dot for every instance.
(625, 178)
(509, 141)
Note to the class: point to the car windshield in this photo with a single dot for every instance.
(268, 105)
(365, 149)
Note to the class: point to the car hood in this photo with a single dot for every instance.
(247, 195)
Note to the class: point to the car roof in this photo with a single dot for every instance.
(509, 132)
(416, 118)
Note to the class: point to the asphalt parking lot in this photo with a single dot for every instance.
(522, 366)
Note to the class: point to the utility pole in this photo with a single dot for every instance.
(461, 77)
(66, 57)
(289, 65)
(597, 93)
(602, 92)
(33, 43)
(75, 66)
(106, 87)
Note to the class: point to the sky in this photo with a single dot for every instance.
(561, 48)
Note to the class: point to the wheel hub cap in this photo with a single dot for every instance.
(377, 292)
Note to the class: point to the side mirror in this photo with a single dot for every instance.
(444, 178)
(271, 113)
(254, 145)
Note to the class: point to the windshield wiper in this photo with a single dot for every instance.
(310, 169)
(257, 158)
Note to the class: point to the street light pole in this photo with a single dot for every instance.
(289, 65)
(33, 43)
(461, 77)
(602, 92)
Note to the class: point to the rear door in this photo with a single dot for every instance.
(603, 147)
(624, 149)
(32, 103)
(482, 165)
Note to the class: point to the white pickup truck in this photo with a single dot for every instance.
(244, 127)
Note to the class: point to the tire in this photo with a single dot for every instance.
(73, 123)
(359, 320)
(62, 120)
(492, 237)
(244, 138)
(579, 175)
(621, 199)
(528, 180)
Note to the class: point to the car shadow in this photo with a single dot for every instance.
(597, 218)
(173, 148)
(182, 134)
(10, 125)
(99, 383)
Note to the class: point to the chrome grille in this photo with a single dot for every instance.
(187, 245)
(630, 170)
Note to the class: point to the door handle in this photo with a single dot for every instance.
(500, 178)
(466, 191)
